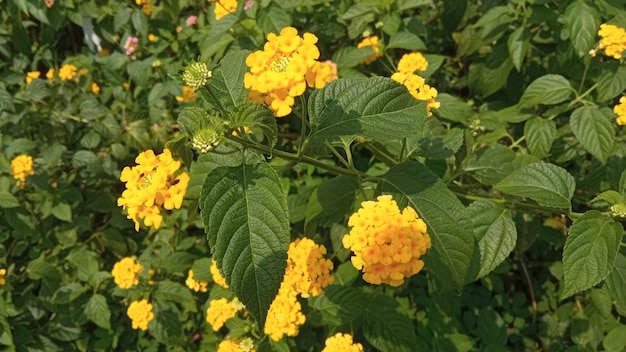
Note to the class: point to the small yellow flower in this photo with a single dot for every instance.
(152, 37)
(236, 345)
(95, 89)
(126, 85)
(67, 72)
(418, 88)
(3, 273)
(224, 7)
(221, 310)
(217, 276)
(188, 95)
(140, 312)
(196, 285)
(146, 6)
(409, 63)
(341, 343)
(620, 111)
(126, 272)
(50, 75)
(22, 167)
(371, 42)
(285, 315)
(30, 76)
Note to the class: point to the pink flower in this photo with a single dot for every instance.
(191, 20)
(248, 4)
(196, 336)
(131, 45)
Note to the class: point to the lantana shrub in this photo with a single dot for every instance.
(386, 175)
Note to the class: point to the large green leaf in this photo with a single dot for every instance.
(97, 310)
(490, 164)
(547, 90)
(387, 329)
(589, 252)
(486, 78)
(495, 232)
(518, 45)
(338, 305)
(582, 21)
(376, 108)
(167, 325)
(453, 109)
(350, 56)
(405, 40)
(616, 280)
(413, 184)
(612, 83)
(547, 184)
(540, 135)
(226, 83)
(244, 210)
(594, 130)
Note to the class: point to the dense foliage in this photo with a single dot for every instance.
(392, 175)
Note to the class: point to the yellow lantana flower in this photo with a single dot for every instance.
(371, 42)
(95, 88)
(620, 111)
(67, 72)
(126, 272)
(151, 186)
(188, 95)
(224, 7)
(283, 69)
(146, 6)
(196, 285)
(418, 88)
(30, 76)
(613, 40)
(411, 62)
(140, 312)
(3, 273)
(285, 314)
(341, 343)
(236, 345)
(388, 244)
(22, 167)
(50, 75)
(217, 276)
(221, 310)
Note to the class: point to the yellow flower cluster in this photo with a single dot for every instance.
(95, 88)
(3, 273)
(221, 310)
(283, 69)
(613, 40)
(146, 6)
(341, 343)
(620, 111)
(371, 42)
(387, 243)
(408, 64)
(236, 345)
(30, 76)
(126, 272)
(22, 167)
(307, 273)
(217, 276)
(140, 312)
(50, 75)
(196, 285)
(67, 72)
(224, 7)
(151, 186)
(188, 95)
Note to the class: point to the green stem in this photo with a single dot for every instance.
(336, 153)
(383, 155)
(582, 96)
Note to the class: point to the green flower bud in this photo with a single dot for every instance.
(205, 140)
(196, 75)
(619, 209)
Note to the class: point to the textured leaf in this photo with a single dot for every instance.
(495, 232)
(582, 21)
(589, 252)
(97, 310)
(547, 90)
(540, 135)
(332, 200)
(244, 210)
(413, 184)
(387, 329)
(490, 164)
(376, 108)
(191, 119)
(6, 99)
(518, 45)
(226, 83)
(610, 196)
(347, 57)
(172, 291)
(166, 326)
(338, 305)
(405, 40)
(594, 130)
(257, 115)
(7, 200)
(616, 280)
(612, 83)
(486, 78)
(547, 184)
(273, 18)
(434, 141)
(453, 109)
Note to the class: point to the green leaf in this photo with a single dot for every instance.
(547, 90)
(6, 99)
(610, 196)
(453, 109)
(273, 19)
(244, 211)
(495, 231)
(518, 45)
(583, 22)
(173, 291)
(486, 78)
(540, 135)
(178, 262)
(202, 269)
(166, 326)
(491, 329)
(67, 293)
(615, 340)
(622, 183)
(612, 83)
(589, 252)
(83, 158)
(256, 115)
(411, 183)
(387, 329)
(376, 108)
(86, 262)
(97, 310)
(62, 211)
(226, 84)
(331, 201)
(547, 184)
(338, 305)
(405, 40)
(350, 56)
(594, 130)
(490, 164)
(7, 200)
(37, 90)
(191, 119)
(616, 280)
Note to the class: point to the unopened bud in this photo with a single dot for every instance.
(196, 75)
(205, 140)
